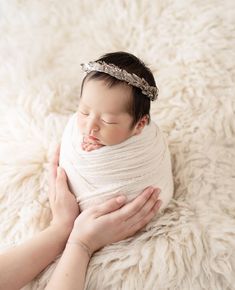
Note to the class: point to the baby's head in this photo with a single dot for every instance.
(111, 110)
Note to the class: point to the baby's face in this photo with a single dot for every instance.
(102, 115)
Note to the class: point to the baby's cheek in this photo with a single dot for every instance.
(117, 136)
(81, 125)
(109, 137)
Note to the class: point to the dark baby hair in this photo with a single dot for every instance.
(140, 104)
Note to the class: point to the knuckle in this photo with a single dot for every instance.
(134, 229)
(119, 219)
(150, 216)
(145, 198)
(152, 199)
(143, 212)
(135, 207)
(143, 221)
(157, 206)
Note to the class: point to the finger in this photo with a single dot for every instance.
(57, 155)
(134, 206)
(109, 206)
(54, 163)
(62, 188)
(93, 147)
(85, 139)
(89, 148)
(61, 180)
(145, 220)
(145, 209)
(53, 173)
(55, 160)
(85, 146)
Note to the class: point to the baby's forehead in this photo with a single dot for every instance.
(108, 83)
(114, 110)
(99, 93)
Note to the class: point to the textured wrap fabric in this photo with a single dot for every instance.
(128, 167)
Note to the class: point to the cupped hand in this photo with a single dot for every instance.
(114, 220)
(63, 203)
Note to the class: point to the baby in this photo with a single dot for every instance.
(110, 145)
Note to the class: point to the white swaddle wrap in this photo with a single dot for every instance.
(128, 167)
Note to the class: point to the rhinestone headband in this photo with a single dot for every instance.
(132, 79)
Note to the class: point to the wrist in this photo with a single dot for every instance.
(75, 237)
(81, 245)
(62, 231)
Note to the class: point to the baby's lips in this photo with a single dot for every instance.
(93, 138)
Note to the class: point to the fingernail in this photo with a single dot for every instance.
(151, 189)
(156, 194)
(121, 199)
(158, 190)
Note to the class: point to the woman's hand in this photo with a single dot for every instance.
(111, 222)
(22, 263)
(63, 203)
(94, 228)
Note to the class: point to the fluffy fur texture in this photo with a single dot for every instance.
(189, 45)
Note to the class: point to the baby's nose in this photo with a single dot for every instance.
(92, 126)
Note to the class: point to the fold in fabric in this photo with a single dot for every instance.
(126, 168)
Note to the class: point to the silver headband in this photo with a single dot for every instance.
(123, 75)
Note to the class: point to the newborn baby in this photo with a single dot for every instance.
(110, 145)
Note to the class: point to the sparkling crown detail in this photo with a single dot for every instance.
(123, 75)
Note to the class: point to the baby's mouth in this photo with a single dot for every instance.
(93, 138)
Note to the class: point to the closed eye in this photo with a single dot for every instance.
(86, 114)
(108, 122)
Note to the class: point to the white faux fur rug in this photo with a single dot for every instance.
(189, 45)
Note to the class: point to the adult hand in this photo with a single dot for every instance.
(22, 263)
(63, 203)
(111, 222)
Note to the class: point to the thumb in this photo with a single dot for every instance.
(61, 180)
(110, 205)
